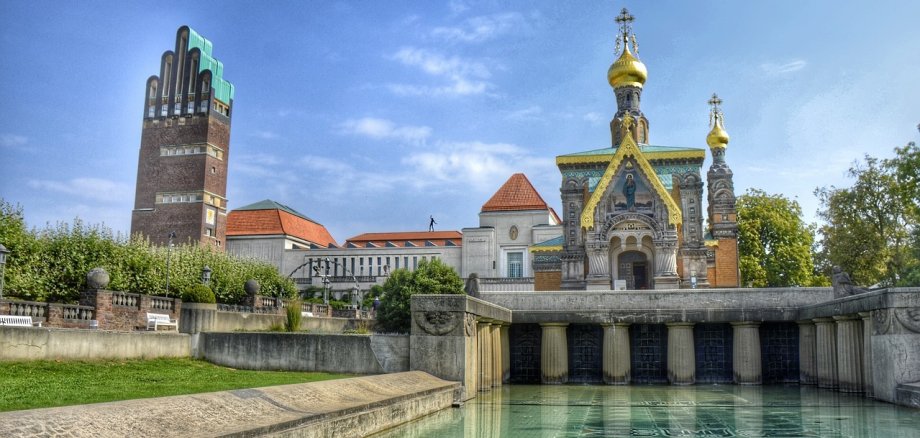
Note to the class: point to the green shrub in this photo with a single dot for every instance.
(50, 264)
(199, 293)
(292, 316)
(431, 277)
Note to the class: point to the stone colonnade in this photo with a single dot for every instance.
(681, 355)
(493, 362)
(835, 353)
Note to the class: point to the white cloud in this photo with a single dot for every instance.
(12, 140)
(464, 77)
(385, 129)
(482, 166)
(457, 6)
(482, 28)
(530, 113)
(593, 118)
(266, 135)
(89, 188)
(778, 69)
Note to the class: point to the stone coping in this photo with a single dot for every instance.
(698, 305)
(460, 303)
(313, 409)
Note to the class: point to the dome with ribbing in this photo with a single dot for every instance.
(627, 71)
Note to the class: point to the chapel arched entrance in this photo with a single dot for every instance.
(634, 269)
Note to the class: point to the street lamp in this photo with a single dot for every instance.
(206, 275)
(172, 235)
(3, 254)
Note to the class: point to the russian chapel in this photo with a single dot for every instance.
(633, 213)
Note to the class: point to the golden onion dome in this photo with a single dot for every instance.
(717, 138)
(627, 71)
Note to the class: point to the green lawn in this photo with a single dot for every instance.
(42, 384)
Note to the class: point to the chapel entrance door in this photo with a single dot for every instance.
(633, 268)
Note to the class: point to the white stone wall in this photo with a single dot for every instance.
(269, 249)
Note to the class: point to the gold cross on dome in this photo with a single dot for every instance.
(624, 20)
(715, 102)
(627, 121)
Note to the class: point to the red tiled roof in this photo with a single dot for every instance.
(555, 216)
(516, 194)
(399, 239)
(276, 221)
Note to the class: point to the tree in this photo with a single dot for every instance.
(774, 243)
(871, 227)
(431, 277)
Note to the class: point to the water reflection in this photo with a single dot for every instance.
(702, 410)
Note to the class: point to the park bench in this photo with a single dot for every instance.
(155, 320)
(18, 321)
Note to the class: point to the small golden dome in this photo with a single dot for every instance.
(627, 71)
(717, 138)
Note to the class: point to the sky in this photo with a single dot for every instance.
(372, 116)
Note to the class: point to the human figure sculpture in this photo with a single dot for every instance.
(431, 224)
(843, 285)
(472, 285)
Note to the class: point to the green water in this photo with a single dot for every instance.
(701, 410)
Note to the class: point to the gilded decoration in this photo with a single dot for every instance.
(628, 149)
(437, 323)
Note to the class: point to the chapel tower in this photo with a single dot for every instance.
(182, 166)
(627, 75)
(723, 216)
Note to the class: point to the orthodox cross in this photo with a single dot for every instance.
(624, 20)
(715, 115)
(627, 121)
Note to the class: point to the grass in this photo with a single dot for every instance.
(42, 384)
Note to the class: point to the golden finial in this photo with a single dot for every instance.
(627, 70)
(717, 138)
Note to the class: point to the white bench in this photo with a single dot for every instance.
(18, 321)
(156, 320)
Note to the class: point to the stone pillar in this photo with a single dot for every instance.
(554, 353)
(616, 354)
(849, 353)
(497, 365)
(485, 355)
(867, 353)
(473, 351)
(746, 353)
(826, 342)
(807, 362)
(506, 352)
(681, 354)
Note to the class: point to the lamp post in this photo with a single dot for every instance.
(3, 253)
(206, 275)
(172, 235)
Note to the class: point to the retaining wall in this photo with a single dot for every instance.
(28, 343)
(353, 407)
(356, 354)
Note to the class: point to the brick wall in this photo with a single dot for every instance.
(547, 281)
(725, 272)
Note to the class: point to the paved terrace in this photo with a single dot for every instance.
(343, 408)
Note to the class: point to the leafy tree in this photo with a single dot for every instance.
(431, 277)
(774, 243)
(871, 227)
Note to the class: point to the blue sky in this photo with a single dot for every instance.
(371, 116)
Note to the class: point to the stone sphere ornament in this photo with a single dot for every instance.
(97, 278)
(251, 287)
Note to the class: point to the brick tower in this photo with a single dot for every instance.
(185, 145)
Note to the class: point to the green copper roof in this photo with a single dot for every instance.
(268, 204)
(555, 241)
(644, 148)
(223, 89)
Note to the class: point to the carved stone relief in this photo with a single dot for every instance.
(437, 323)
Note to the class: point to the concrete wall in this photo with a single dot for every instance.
(354, 407)
(356, 354)
(25, 343)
